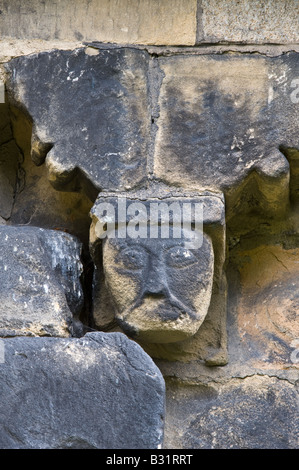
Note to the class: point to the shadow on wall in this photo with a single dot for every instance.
(28, 199)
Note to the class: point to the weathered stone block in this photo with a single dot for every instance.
(126, 22)
(249, 22)
(216, 125)
(40, 290)
(91, 116)
(266, 311)
(251, 413)
(97, 392)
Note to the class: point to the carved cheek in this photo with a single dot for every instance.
(123, 288)
(183, 269)
(124, 285)
(203, 291)
(184, 284)
(190, 276)
(203, 298)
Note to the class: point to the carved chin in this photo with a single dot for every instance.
(162, 323)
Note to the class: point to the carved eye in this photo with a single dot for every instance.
(132, 258)
(180, 257)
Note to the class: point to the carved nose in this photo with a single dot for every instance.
(155, 283)
(155, 288)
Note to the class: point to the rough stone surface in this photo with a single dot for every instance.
(253, 413)
(98, 138)
(40, 290)
(265, 312)
(159, 22)
(220, 117)
(97, 392)
(216, 124)
(129, 21)
(252, 22)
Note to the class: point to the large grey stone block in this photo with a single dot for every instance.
(40, 289)
(256, 412)
(101, 391)
(90, 112)
(225, 118)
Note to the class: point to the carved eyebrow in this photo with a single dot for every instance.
(182, 245)
(133, 246)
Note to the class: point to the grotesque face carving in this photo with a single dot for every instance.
(161, 289)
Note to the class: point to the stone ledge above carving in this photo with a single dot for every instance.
(122, 116)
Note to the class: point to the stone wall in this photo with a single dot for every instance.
(114, 112)
(158, 22)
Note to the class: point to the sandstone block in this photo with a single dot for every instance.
(126, 22)
(250, 22)
(267, 309)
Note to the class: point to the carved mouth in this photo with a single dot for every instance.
(162, 307)
(156, 297)
(159, 306)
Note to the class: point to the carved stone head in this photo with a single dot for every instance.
(158, 281)
(161, 289)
